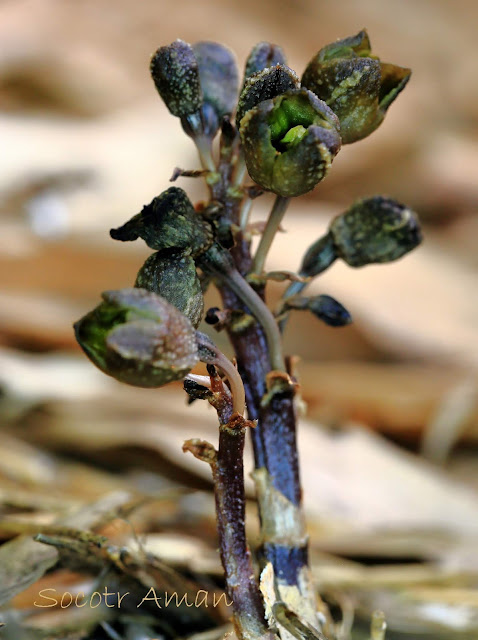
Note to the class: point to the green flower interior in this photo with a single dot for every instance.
(289, 120)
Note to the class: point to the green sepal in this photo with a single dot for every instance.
(168, 222)
(173, 276)
(357, 86)
(138, 338)
(264, 85)
(375, 230)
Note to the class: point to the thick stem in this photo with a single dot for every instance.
(228, 476)
(273, 223)
(275, 453)
(235, 554)
(258, 349)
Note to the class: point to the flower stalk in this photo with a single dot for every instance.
(272, 226)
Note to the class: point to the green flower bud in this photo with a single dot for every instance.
(218, 75)
(138, 338)
(377, 229)
(168, 222)
(175, 72)
(263, 56)
(289, 142)
(264, 85)
(356, 85)
(173, 276)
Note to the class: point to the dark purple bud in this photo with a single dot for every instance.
(323, 307)
(262, 56)
(175, 72)
(219, 77)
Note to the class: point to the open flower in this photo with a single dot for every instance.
(139, 338)
(356, 85)
(289, 142)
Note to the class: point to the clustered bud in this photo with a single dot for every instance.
(290, 131)
(349, 91)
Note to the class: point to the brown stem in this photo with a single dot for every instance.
(228, 476)
(230, 508)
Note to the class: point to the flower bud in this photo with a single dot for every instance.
(318, 257)
(323, 307)
(356, 85)
(168, 222)
(173, 276)
(264, 85)
(329, 311)
(218, 75)
(175, 72)
(377, 229)
(263, 56)
(138, 338)
(289, 142)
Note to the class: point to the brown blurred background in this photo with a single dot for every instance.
(85, 142)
